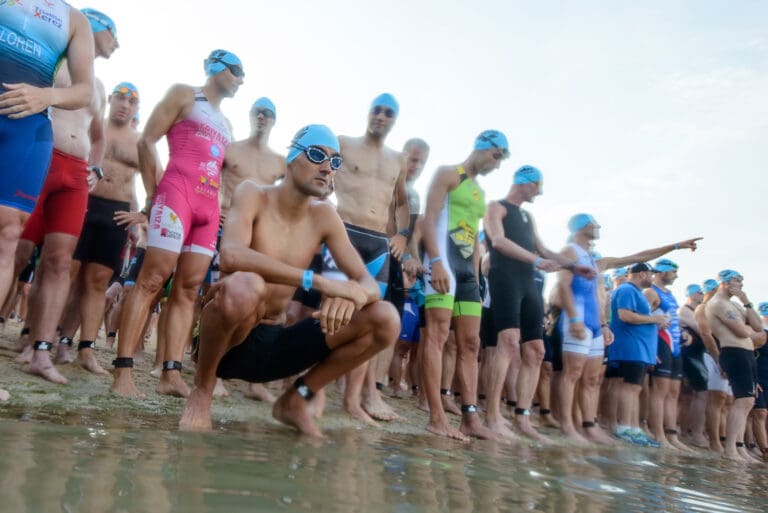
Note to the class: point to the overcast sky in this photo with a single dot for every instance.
(648, 115)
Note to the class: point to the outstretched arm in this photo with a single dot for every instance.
(645, 255)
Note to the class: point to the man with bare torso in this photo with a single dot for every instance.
(78, 138)
(269, 239)
(250, 159)
(99, 250)
(739, 331)
(371, 175)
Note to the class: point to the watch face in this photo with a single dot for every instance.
(303, 390)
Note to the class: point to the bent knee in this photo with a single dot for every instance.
(240, 293)
(384, 320)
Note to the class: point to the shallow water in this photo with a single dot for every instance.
(88, 461)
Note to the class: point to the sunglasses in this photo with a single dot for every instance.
(496, 156)
(235, 69)
(318, 156)
(386, 110)
(126, 91)
(267, 113)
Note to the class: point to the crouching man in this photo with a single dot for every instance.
(270, 237)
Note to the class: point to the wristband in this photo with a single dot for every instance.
(677, 245)
(574, 320)
(306, 279)
(97, 170)
(405, 232)
(405, 257)
(570, 266)
(537, 262)
(748, 305)
(435, 260)
(605, 325)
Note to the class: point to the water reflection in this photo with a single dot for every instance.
(76, 461)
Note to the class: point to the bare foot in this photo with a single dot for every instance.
(574, 437)
(87, 360)
(4, 395)
(547, 420)
(172, 384)
(733, 456)
(156, 372)
(41, 365)
(471, 426)
(699, 440)
(597, 435)
(317, 404)
(26, 354)
(422, 404)
(138, 356)
(375, 406)
(258, 392)
(502, 429)
(22, 343)
(449, 405)
(197, 412)
(446, 430)
(63, 354)
(291, 409)
(525, 428)
(110, 342)
(123, 384)
(357, 412)
(220, 390)
(675, 441)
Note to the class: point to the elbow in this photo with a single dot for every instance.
(228, 260)
(760, 340)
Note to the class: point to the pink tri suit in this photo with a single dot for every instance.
(185, 210)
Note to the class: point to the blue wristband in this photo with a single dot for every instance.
(306, 279)
(537, 262)
(435, 260)
(574, 320)
(405, 257)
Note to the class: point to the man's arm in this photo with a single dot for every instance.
(632, 317)
(567, 263)
(402, 213)
(494, 231)
(564, 281)
(444, 180)
(700, 314)
(727, 313)
(163, 117)
(652, 297)
(645, 255)
(21, 100)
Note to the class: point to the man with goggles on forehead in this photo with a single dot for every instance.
(78, 140)
(243, 333)
(372, 174)
(739, 329)
(183, 214)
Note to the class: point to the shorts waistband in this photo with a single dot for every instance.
(108, 203)
(66, 156)
(365, 231)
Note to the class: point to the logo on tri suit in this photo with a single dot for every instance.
(170, 225)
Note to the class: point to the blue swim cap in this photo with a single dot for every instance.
(763, 308)
(99, 21)
(727, 275)
(692, 289)
(708, 286)
(218, 61)
(264, 103)
(607, 282)
(620, 273)
(311, 135)
(579, 221)
(386, 100)
(663, 265)
(492, 139)
(596, 255)
(527, 174)
(126, 88)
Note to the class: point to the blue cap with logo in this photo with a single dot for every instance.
(527, 174)
(490, 139)
(219, 60)
(311, 135)
(99, 21)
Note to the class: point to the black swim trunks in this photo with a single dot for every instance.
(102, 240)
(741, 368)
(271, 352)
(373, 248)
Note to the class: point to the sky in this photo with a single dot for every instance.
(647, 115)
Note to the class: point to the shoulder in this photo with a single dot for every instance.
(568, 251)
(347, 143)
(181, 93)
(77, 21)
(324, 215)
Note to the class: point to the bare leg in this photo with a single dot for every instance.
(715, 405)
(573, 367)
(190, 273)
(258, 392)
(737, 421)
(544, 390)
(589, 391)
(658, 395)
(759, 428)
(467, 334)
(11, 222)
(670, 415)
(697, 416)
(162, 326)
(499, 360)
(447, 375)
(402, 349)
(92, 304)
(533, 355)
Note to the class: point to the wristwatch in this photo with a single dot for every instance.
(96, 169)
(748, 305)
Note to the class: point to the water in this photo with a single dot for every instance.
(93, 461)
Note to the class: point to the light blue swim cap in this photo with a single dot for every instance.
(727, 275)
(490, 139)
(692, 289)
(607, 282)
(126, 88)
(763, 308)
(311, 135)
(579, 221)
(99, 21)
(386, 100)
(709, 285)
(527, 174)
(620, 273)
(264, 103)
(218, 60)
(665, 264)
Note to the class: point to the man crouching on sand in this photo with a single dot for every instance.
(270, 237)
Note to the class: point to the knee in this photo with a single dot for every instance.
(9, 234)
(470, 346)
(533, 353)
(57, 262)
(240, 295)
(385, 322)
(508, 344)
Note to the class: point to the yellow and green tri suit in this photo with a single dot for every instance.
(456, 232)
